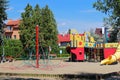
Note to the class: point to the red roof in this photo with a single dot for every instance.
(63, 38)
(13, 22)
(81, 34)
(98, 31)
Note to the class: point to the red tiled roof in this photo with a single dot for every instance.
(63, 38)
(13, 22)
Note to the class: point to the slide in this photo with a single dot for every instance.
(112, 58)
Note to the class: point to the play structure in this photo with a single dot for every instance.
(83, 47)
(112, 58)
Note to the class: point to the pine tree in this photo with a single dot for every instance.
(3, 17)
(27, 29)
(49, 29)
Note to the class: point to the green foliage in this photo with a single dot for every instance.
(113, 35)
(64, 53)
(112, 9)
(44, 18)
(49, 29)
(3, 17)
(3, 7)
(27, 29)
(12, 48)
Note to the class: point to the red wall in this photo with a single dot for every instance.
(77, 52)
(108, 52)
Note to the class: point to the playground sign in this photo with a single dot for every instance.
(60, 51)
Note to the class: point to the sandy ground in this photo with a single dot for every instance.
(57, 67)
(54, 67)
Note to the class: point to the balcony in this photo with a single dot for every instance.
(8, 31)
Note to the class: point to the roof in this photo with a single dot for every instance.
(98, 31)
(81, 34)
(13, 22)
(63, 38)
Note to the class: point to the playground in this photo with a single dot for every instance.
(58, 69)
(97, 60)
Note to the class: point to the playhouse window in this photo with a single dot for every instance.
(80, 53)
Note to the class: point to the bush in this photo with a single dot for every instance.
(12, 48)
(63, 54)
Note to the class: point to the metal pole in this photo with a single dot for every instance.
(37, 47)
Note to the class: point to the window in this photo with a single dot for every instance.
(14, 36)
(8, 36)
(9, 28)
(64, 43)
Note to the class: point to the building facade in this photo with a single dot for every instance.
(12, 29)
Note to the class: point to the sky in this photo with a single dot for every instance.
(69, 14)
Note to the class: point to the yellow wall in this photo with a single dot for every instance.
(77, 40)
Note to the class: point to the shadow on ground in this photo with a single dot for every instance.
(79, 76)
(89, 76)
(10, 78)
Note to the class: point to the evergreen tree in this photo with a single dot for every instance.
(49, 29)
(27, 29)
(3, 17)
(36, 15)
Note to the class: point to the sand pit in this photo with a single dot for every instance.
(56, 70)
(57, 67)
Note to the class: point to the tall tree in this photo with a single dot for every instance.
(27, 29)
(49, 29)
(112, 9)
(36, 15)
(3, 16)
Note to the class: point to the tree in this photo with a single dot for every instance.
(27, 29)
(3, 17)
(112, 9)
(44, 18)
(49, 29)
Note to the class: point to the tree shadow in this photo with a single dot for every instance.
(92, 76)
(17, 78)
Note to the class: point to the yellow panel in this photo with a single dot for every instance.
(78, 41)
(111, 45)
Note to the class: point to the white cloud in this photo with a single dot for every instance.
(88, 11)
(62, 24)
(20, 11)
(10, 8)
(80, 26)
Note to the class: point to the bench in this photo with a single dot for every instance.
(52, 55)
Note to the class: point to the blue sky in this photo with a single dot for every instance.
(69, 14)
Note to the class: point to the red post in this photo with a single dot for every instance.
(37, 47)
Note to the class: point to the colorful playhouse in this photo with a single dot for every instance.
(84, 47)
